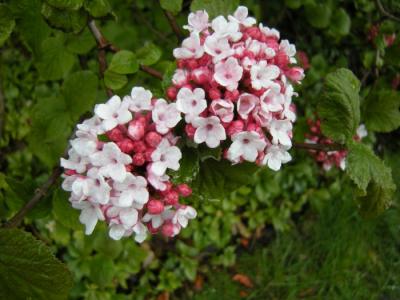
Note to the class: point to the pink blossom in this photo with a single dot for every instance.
(209, 130)
(191, 48)
(228, 73)
(165, 115)
(191, 103)
(223, 109)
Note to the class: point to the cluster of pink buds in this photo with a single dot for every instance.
(234, 86)
(117, 164)
(330, 158)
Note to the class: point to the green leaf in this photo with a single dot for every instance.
(124, 62)
(63, 211)
(30, 23)
(80, 92)
(293, 4)
(66, 20)
(381, 110)
(318, 15)
(189, 166)
(66, 4)
(98, 8)
(173, 6)
(341, 23)
(80, 43)
(149, 54)
(217, 179)
(7, 23)
(28, 269)
(215, 8)
(372, 177)
(55, 61)
(114, 81)
(102, 270)
(339, 107)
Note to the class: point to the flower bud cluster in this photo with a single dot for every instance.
(116, 168)
(234, 86)
(330, 158)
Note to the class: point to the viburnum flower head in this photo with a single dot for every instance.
(113, 112)
(140, 99)
(247, 75)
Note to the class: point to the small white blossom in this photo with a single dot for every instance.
(90, 214)
(222, 28)
(223, 109)
(165, 115)
(191, 48)
(111, 161)
(198, 21)
(139, 100)
(275, 156)
(191, 103)
(228, 73)
(246, 104)
(183, 215)
(272, 100)
(99, 188)
(262, 74)
(218, 47)
(112, 113)
(241, 16)
(75, 161)
(209, 130)
(289, 49)
(246, 144)
(158, 220)
(280, 131)
(85, 143)
(133, 191)
(165, 157)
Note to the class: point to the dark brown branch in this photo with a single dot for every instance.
(175, 28)
(385, 12)
(151, 71)
(39, 194)
(319, 147)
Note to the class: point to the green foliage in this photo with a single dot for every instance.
(124, 62)
(149, 54)
(215, 7)
(7, 23)
(381, 110)
(372, 177)
(319, 15)
(339, 107)
(66, 20)
(98, 8)
(66, 4)
(173, 6)
(29, 270)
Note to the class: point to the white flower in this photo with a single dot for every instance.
(209, 130)
(246, 104)
(362, 131)
(228, 73)
(262, 74)
(75, 161)
(222, 28)
(158, 182)
(223, 109)
(122, 222)
(275, 156)
(288, 111)
(272, 100)
(139, 100)
(191, 103)
(191, 48)
(165, 157)
(140, 231)
(241, 16)
(165, 115)
(180, 77)
(111, 161)
(246, 144)
(183, 215)
(269, 32)
(158, 220)
(90, 214)
(99, 189)
(262, 117)
(85, 143)
(218, 47)
(289, 49)
(92, 126)
(280, 131)
(78, 185)
(113, 113)
(133, 191)
(198, 21)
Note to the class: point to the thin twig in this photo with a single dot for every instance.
(175, 28)
(319, 147)
(385, 12)
(151, 71)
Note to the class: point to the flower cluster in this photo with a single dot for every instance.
(330, 158)
(116, 169)
(234, 87)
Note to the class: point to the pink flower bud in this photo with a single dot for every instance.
(69, 172)
(171, 198)
(295, 74)
(155, 207)
(192, 64)
(171, 93)
(138, 159)
(115, 135)
(168, 229)
(126, 145)
(214, 94)
(235, 127)
(190, 130)
(139, 147)
(147, 154)
(184, 190)
(153, 139)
